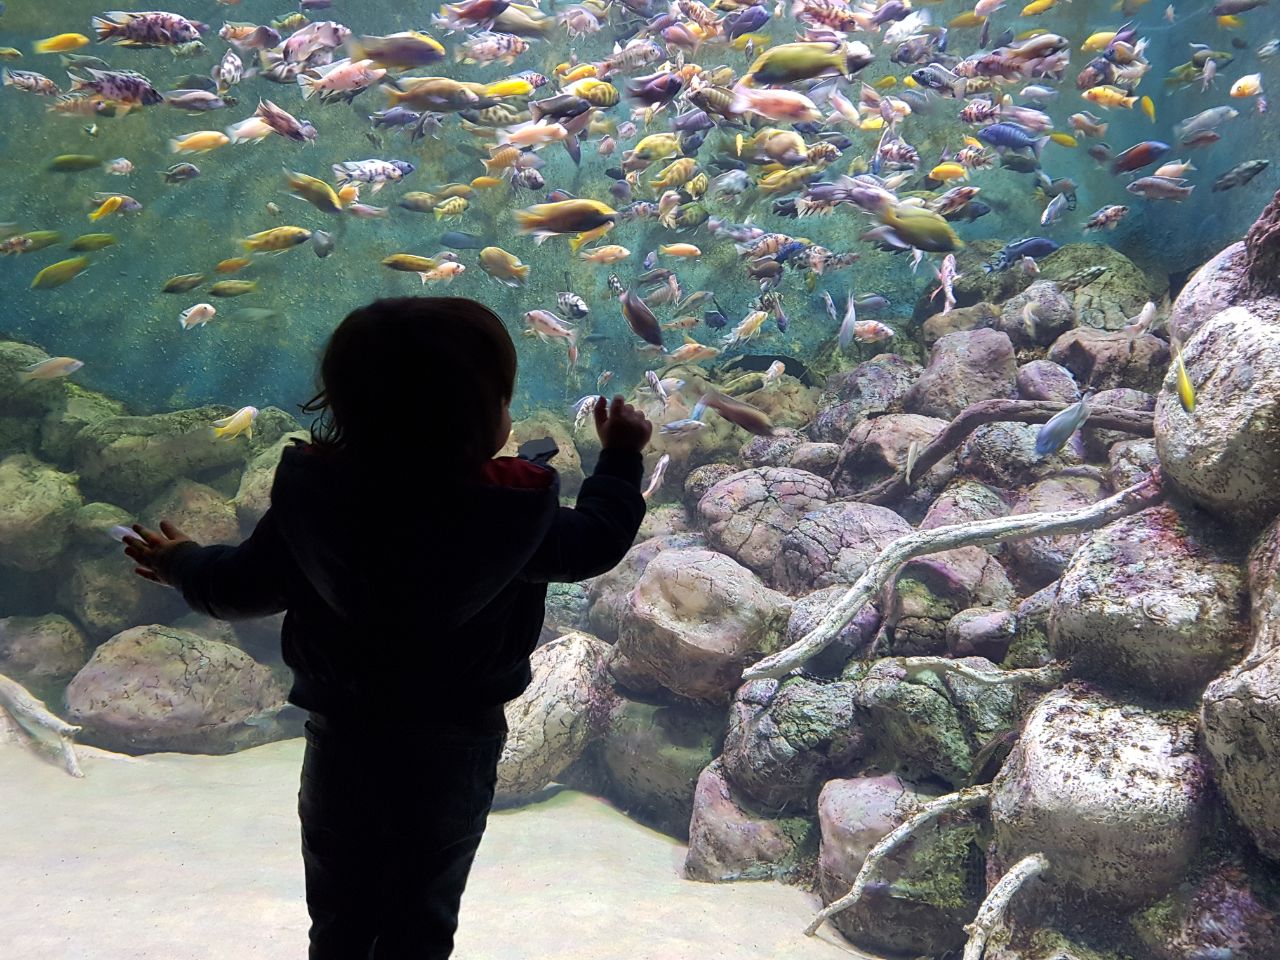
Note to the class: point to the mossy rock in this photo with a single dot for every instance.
(37, 505)
(78, 409)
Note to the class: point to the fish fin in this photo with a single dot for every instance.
(1038, 146)
(175, 146)
(104, 28)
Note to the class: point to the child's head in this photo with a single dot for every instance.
(411, 369)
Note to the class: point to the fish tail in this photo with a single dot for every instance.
(522, 271)
(99, 213)
(307, 85)
(104, 28)
(1037, 147)
(175, 146)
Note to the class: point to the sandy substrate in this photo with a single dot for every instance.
(177, 857)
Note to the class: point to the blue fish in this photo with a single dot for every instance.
(1012, 136)
(1054, 434)
(457, 240)
(1015, 250)
(748, 21)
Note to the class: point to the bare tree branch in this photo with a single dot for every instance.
(991, 913)
(23, 706)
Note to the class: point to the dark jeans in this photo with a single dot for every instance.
(390, 825)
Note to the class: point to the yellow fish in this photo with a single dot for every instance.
(1063, 139)
(10, 53)
(967, 20)
(1230, 23)
(1037, 6)
(228, 428)
(453, 207)
(232, 264)
(233, 288)
(1186, 391)
(202, 141)
(487, 183)
(872, 123)
(107, 207)
(1149, 108)
(62, 43)
(92, 241)
(316, 192)
(1099, 41)
(582, 71)
(884, 83)
(56, 274)
(949, 171)
(1108, 96)
(277, 238)
(511, 87)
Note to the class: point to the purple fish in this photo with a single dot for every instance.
(1011, 136)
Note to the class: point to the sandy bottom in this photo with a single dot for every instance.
(177, 857)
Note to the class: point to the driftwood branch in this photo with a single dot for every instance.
(23, 706)
(974, 534)
(964, 799)
(970, 418)
(1050, 675)
(993, 907)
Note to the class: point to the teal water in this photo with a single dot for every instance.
(115, 319)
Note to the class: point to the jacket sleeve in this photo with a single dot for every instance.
(596, 533)
(233, 583)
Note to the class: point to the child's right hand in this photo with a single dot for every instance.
(621, 426)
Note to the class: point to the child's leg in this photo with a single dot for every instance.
(389, 834)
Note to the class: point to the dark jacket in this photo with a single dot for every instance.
(407, 597)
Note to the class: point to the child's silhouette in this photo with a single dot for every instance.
(413, 569)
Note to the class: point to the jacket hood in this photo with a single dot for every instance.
(379, 545)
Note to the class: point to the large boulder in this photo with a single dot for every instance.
(853, 640)
(701, 479)
(964, 501)
(771, 451)
(1038, 561)
(37, 507)
(608, 592)
(253, 496)
(981, 632)
(1116, 797)
(834, 544)
(78, 409)
(786, 737)
(694, 621)
(1106, 359)
(1264, 591)
(546, 424)
(729, 841)
(1130, 461)
(1037, 316)
(1046, 380)
(1224, 454)
(564, 611)
(552, 721)
(1240, 714)
(876, 450)
(105, 596)
(932, 589)
(154, 688)
(1220, 283)
(1097, 441)
(1152, 601)
(923, 893)
(129, 460)
(1222, 912)
(979, 316)
(747, 515)
(652, 754)
(964, 367)
(41, 652)
(1004, 455)
(200, 512)
(819, 458)
(873, 386)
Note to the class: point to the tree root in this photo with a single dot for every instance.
(960, 800)
(23, 706)
(991, 913)
(975, 533)
(1049, 676)
(970, 418)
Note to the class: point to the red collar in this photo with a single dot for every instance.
(514, 472)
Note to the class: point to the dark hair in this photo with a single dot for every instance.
(389, 360)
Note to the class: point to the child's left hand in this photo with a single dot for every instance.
(150, 549)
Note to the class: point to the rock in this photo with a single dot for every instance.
(105, 596)
(964, 501)
(1045, 943)
(1098, 441)
(851, 641)
(608, 592)
(91, 527)
(27, 400)
(1222, 913)
(876, 450)
(542, 424)
(1218, 284)
(41, 652)
(1038, 561)
(817, 458)
(1051, 316)
(153, 688)
(981, 632)
(253, 496)
(703, 478)
(833, 544)
(963, 368)
(552, 721)
(1106, 359)
(975, 285)
(1109, 301)
(694, 621)
(747, 514)
(717, 442)
(1004, 455)
(207, 628)
(1152, 601)
(932, 727)
(37, 507)
(1264, 591)
(1046, 380)
(1224, 455)
(979, 316)
(1116, 797)
(873, 386)
(927, 896)
(727, 841)
(1240, 716)
(1131, 460)
(786, 738)
(1030, 646)
(787, 402)
(198, 511)
(565, 611)
(664, 520)
(78, 409)
(653, 754)
(932, 589)
(771, 451)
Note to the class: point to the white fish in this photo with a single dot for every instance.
(228, 428)
(50, 369)
(1053, 212)
(197, 316)
(849, 321)
(655, 481)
